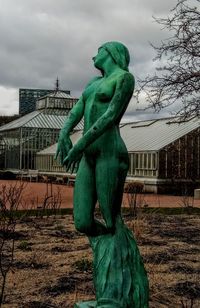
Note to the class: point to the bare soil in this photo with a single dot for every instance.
(53, 262)
(34, 193)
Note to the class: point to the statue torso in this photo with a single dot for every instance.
(97, 97)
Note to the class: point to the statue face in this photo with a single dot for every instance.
(100, 58)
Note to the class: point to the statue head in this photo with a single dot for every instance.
(119, 53)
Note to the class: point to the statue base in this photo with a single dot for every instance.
(120, 278)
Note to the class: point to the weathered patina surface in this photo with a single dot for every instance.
(102, 159)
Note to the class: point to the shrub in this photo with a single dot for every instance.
(132, 189)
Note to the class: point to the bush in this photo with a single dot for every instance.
(132, 189)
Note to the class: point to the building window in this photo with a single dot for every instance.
(143, 164)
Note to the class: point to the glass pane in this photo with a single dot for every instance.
(153, 161)
(129, 170)
(149, 161)
(140, 161)
(145, 160)
(136, 160)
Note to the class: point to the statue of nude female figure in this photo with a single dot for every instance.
(104, 163)
(119, 275)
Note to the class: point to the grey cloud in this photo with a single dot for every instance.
(41, 40)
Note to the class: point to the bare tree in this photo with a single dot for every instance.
(177, 76)
(10, 200)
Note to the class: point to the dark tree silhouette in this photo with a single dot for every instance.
(177, 76)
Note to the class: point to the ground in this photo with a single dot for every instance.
(34, 194)
(53, 262)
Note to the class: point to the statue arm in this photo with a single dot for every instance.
(64, 141)
(75, 115)
(123, 92)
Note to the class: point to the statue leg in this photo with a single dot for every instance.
(119, 275)
(110, 177)
(85, 199)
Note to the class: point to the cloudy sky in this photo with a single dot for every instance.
(43, 39)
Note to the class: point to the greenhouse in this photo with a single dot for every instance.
(21, 139)
(163, 153)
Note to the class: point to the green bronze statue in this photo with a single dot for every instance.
(119, 275)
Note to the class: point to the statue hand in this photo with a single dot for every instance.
(63, 147)
(72, 159)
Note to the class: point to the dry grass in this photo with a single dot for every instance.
(53, 262)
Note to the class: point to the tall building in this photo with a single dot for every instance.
(28, 97)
